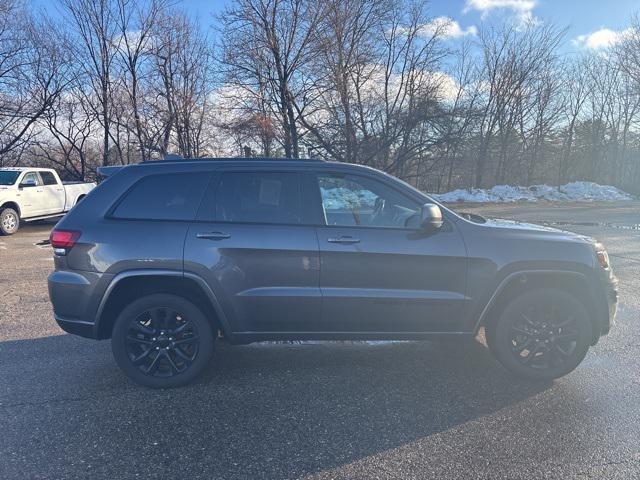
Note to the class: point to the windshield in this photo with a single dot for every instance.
(8, 177)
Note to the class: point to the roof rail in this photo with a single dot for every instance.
(233, 159)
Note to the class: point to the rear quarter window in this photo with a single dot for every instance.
(174, 196)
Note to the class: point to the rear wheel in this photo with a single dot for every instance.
(9, 221)
(162, 341)
(541, 335)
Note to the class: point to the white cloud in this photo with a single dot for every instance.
(522, 8)
(485, 6)
(447, 86)
(600, 39)
(448, 27)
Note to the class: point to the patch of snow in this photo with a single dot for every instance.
(571, 192)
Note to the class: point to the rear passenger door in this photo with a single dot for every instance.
(52, 194)
(254, 244)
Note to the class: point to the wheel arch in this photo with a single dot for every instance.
(574, 283)
(13, 205)
(128, 286)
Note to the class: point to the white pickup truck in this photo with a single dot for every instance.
(28, 194)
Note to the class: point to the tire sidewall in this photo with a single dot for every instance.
(499, 340)
(3, 214)
(180, 304)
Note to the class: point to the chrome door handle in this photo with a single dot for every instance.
(213, 235)
(344, 240)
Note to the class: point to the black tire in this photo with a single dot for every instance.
(162, 341)
(9, 221)
(541, 334)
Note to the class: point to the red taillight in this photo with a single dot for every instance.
(64, 238)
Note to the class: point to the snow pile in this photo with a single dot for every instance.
(571, 192)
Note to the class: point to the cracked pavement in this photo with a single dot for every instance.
(412, 410)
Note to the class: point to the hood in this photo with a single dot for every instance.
(534, 229)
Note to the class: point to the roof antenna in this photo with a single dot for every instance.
(172, 156)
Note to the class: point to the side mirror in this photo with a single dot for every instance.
(430, 217)
(30, 182)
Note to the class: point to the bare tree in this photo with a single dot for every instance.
(95, 31)
(512, 60)
(137, 25)
(69, 139)
(184, 65)
(34, 71)
(266, 45)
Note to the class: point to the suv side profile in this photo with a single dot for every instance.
(166, 257)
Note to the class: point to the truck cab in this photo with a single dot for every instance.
(28, 194)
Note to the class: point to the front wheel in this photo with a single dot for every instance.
(162, 341)
(541, 334)
(9, 221)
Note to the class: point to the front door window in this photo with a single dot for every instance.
(349, 200)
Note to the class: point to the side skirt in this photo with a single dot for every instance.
(250, 337)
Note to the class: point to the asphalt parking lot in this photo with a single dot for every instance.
(413, 410)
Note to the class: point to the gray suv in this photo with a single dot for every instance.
(166, 257)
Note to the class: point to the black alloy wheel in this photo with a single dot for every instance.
(162, 341)
(542, 334)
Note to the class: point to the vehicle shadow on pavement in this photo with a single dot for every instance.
(260, 411)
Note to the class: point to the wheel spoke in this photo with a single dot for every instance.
(141, 341)
(143, 356)
(521, 331)
(528, 320)
(186, 341)
(171, 362)
(183, 355)
(565, 322)
(567, 336)
(157, 318)
(532, 355)
(154, 365)
(561, 351)
(521, 348)
(142, 328)
(181, 328)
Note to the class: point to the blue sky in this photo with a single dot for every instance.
(591, 24)
(583, 18)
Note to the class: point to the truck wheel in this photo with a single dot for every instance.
(9, 221)
(162, 341)
(541, 334)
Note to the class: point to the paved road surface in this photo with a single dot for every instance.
(401, 411)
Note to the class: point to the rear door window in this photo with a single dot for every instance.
(174, 196)
(259, 197)
(48, 178)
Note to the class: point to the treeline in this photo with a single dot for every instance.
(375, 82)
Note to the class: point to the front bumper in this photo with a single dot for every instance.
(606, 303)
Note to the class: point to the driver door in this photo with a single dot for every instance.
(378, 273)
(31, 196)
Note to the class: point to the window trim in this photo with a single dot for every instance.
(110, 213)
